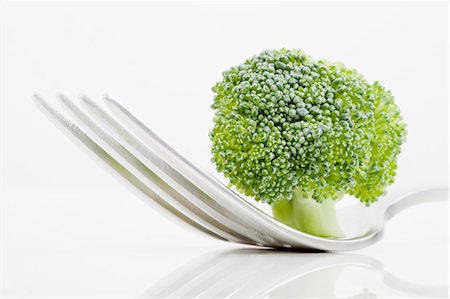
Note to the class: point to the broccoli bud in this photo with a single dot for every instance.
(299, 133)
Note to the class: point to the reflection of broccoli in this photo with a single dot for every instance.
(299, 134)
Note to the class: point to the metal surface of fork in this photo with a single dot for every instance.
(161, 176)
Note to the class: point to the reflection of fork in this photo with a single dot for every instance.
(249, 273)
(164, 177)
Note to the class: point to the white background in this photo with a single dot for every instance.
(70, 230)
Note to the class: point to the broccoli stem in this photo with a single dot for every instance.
(309, 216)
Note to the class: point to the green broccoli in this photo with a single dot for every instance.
(299, 134)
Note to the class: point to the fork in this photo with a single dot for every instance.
(167, 180)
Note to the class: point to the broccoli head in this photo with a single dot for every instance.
(299, 134)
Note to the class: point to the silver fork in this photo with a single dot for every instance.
(162, 176)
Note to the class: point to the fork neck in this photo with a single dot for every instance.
(434, 194)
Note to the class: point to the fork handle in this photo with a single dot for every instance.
(434, 194)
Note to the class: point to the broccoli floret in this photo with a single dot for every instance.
(299, 134)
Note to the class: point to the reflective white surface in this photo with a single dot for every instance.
(128, 251)
(250, 273)
(69, 230)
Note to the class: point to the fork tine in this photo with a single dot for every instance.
(149, 177)
(281, 235)
(141, 190)
(151, 186)
(173, 177)
(274, 230)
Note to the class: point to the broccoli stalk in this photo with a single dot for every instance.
(304, 213)
(299, 133)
